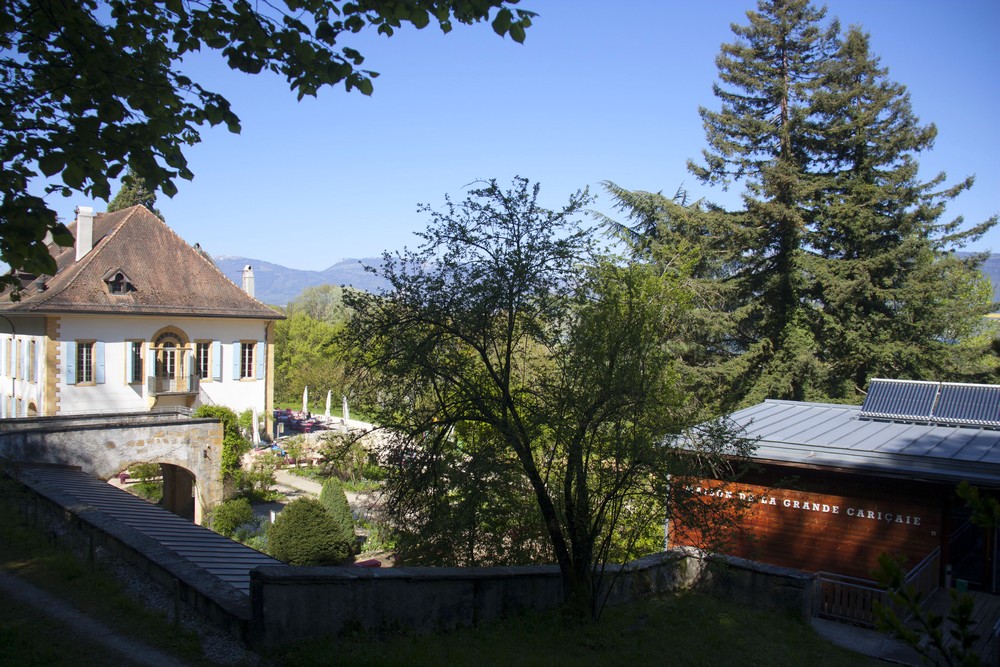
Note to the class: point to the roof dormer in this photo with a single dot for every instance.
(118, 282)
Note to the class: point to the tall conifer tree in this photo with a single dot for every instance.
(892, 302)
(838, 267)
(763, 137)
(133, 192)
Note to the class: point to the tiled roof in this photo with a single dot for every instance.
(169, 276)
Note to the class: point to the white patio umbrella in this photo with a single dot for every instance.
(329, 394)
(347, 415)
(305, 400)
(255, 436)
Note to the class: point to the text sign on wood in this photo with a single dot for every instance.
(806, 502)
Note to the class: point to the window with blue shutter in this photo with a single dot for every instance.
(99, 362)
(69, 361)
(236, 360)
(217, 360)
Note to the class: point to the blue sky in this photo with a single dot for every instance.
(598, 91)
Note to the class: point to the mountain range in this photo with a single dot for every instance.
(277, 285)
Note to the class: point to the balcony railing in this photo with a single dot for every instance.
(175, 385)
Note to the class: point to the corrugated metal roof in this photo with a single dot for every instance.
(837, 436)
(218, 556)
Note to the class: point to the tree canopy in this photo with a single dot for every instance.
(838, 267)
(510, 361)
(92, 87)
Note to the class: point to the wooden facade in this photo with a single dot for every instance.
(831, 521)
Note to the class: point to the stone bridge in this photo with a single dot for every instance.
(189, 450)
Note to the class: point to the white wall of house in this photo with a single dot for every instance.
(22, 373)
(110, 389)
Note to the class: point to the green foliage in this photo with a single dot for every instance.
(305, 533)
(333, 498)
(234, 444)
(512, 362)
(229, 515)
(132, 193)
(838, 267)
(145, 472)
(306, 354)
(91, 88)
(348, 459)
(256, 481)
(926, 631)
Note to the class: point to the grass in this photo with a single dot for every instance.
(685, 629)
(27, 552)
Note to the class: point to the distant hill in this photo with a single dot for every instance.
(991, 267)
(277, 285)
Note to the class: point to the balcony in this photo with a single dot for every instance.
(159, 386)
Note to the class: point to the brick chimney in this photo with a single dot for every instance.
(84, 231)
(248, 280)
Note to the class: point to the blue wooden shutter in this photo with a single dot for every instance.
(236, 360)
(261, 355)
(69, 361)
(217, 360)
(128, 361)
(25, 350)
(99, 362)
(3, 357)
(150, 362)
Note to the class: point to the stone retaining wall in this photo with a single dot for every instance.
(293, 603)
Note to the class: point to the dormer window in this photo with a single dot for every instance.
(118, 283)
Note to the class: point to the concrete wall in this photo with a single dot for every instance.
(105, 445)
(294, 603)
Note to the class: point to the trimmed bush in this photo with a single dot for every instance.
(306, 534)
(334, 500)
(230, 515)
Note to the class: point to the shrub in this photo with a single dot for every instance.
(144, 472)
(230, 515)
(334, 500)
(258, 480)
(306, 534)
(234, 445)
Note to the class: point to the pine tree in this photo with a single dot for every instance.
(132, 193)
(892, 302)
(841, 268)
(763, 136)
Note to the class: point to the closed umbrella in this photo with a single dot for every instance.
(255, 436)
(305, 400)
(329, 394)
(347, 415)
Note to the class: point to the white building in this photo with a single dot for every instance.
(133, 319)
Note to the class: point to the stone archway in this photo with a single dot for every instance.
(179, 492)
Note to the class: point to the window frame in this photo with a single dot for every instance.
(248, 367)
(206, 347)
(138, 365)
(85, 368)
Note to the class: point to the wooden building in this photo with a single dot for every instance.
(838, 485)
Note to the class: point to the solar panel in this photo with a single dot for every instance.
(910, 400)
(969, 404)
(935, 402)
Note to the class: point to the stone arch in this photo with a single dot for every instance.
(32, 409)
(180, 494)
